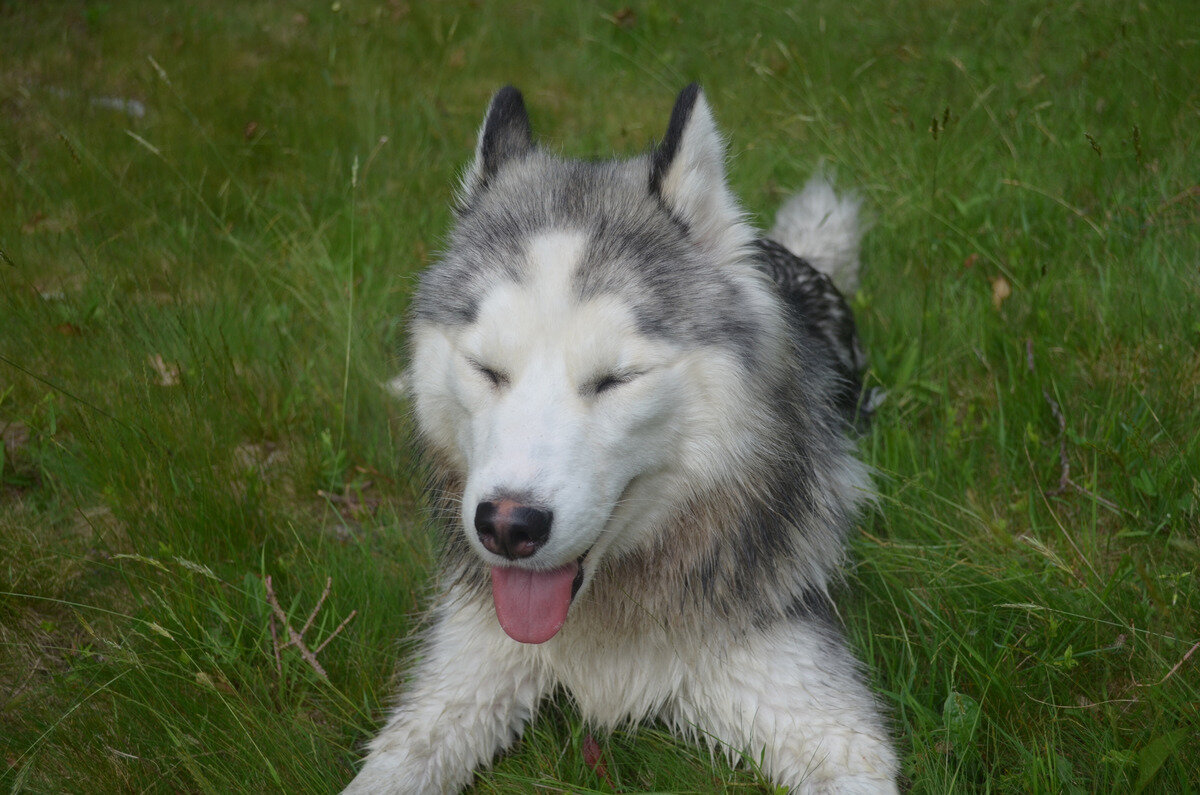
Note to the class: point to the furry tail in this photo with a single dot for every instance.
(819, 226)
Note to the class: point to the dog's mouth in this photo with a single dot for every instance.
(532, 605)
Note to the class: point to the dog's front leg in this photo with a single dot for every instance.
(468, 697)
(791, 696)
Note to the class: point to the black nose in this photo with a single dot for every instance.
(508, 528)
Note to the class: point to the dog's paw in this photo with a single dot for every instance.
(852, 785)
(378, 780)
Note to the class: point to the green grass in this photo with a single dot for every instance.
(198, 307)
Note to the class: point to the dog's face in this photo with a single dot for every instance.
(553, 408)
(575, 348)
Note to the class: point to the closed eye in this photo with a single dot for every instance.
(497, 378)
(611, 381)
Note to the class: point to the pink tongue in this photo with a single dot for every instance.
(532, 605)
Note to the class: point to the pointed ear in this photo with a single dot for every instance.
(687, 171)
(505, 135)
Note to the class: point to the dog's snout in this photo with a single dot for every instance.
(510, 529)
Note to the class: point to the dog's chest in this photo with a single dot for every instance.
(617, 678)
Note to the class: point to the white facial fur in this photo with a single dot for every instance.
(544, 430)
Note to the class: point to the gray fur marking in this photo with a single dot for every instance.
(636, 251)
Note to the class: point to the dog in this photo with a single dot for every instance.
(638, 416)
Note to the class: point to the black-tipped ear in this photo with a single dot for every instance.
(687, 173)
(506, 132)
(664, 154)
(504, 136)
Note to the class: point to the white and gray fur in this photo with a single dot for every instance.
(701, 469)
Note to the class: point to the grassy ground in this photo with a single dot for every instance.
(202, 291)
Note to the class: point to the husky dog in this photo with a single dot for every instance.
(636, 411)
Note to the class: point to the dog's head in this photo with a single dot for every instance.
(579, 353)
